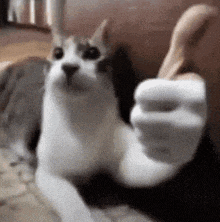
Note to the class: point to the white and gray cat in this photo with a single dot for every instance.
(83, 133)
(81, 128)
(21, 93)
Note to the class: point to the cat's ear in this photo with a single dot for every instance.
(102, 32)
(57, 40)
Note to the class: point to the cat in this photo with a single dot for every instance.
(82, 132)
(21, 93)
(81, 113)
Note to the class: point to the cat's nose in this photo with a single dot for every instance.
(70, 69)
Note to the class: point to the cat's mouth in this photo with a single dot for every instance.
(77, 84)
(76, 87)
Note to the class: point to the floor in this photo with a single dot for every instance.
(16, 44)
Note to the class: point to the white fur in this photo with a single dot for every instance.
(110, 145)
(77, 134)
(82, 133)
(176, 131)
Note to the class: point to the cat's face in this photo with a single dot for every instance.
(81, 65)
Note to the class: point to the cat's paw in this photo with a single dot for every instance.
(169, 117)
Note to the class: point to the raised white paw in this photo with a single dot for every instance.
(169, 117)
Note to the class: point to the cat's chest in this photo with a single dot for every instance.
(66, 149)
(63, 148)
(68, 153)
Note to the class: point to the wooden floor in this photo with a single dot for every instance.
(16, 44)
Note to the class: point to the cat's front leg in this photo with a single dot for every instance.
(168, 120)
(169, 117)
(63, 196)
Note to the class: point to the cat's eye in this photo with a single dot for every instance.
(91, 53)
(58, 53)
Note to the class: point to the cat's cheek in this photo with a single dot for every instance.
(89, 68)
